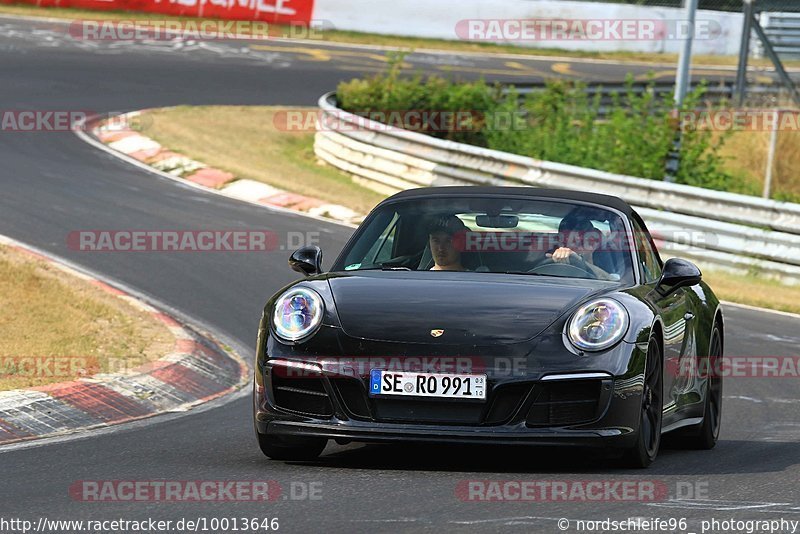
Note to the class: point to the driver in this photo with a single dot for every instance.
(446, 256)
(580, 233)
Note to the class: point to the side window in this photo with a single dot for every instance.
(648, 256)
(376, 245)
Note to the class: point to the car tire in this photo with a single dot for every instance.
(705, 436)
(648, 436)
(296, 449)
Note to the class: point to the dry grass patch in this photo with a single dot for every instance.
(244, 140)
(55, 327)
(754, 290)
(746, 155)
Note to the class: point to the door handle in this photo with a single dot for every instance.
(688, 316)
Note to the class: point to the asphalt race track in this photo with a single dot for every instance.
(53, 183)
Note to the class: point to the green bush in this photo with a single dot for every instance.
(564, 125)
(390, 93)
(633, 135)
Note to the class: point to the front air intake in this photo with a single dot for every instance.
(566, 402)
(304, 394)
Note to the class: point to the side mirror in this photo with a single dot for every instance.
(678, 273)
(306, 260)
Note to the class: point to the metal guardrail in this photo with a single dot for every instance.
(717, 229)
(783, 30)
(715, 93)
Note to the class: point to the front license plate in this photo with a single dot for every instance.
(427, 385)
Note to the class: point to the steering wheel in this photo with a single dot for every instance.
(577, 266)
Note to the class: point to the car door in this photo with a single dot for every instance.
(676, 314)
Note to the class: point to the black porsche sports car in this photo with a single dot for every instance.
(504, 315)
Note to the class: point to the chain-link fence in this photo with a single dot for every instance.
(718, 5)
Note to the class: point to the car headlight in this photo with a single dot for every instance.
(598, 325)
(298, 314)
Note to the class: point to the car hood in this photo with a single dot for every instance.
(471, 308)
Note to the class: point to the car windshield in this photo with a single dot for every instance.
(545, 237)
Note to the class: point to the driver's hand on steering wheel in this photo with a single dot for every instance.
(561, 255)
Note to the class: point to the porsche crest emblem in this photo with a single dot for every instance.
(437, 333)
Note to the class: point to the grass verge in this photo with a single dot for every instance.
(56, 328)
(244, 140)
(247, 144)
(342, 36)
(754, 291)
(745, 154)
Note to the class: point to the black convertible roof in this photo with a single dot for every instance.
(528, 192)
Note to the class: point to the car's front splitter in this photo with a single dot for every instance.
(393, 433)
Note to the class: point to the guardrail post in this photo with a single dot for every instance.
(674, 158)
(773, 145)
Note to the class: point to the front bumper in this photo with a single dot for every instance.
(595, 409)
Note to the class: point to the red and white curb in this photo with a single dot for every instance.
(116, 134)
(196, 371)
